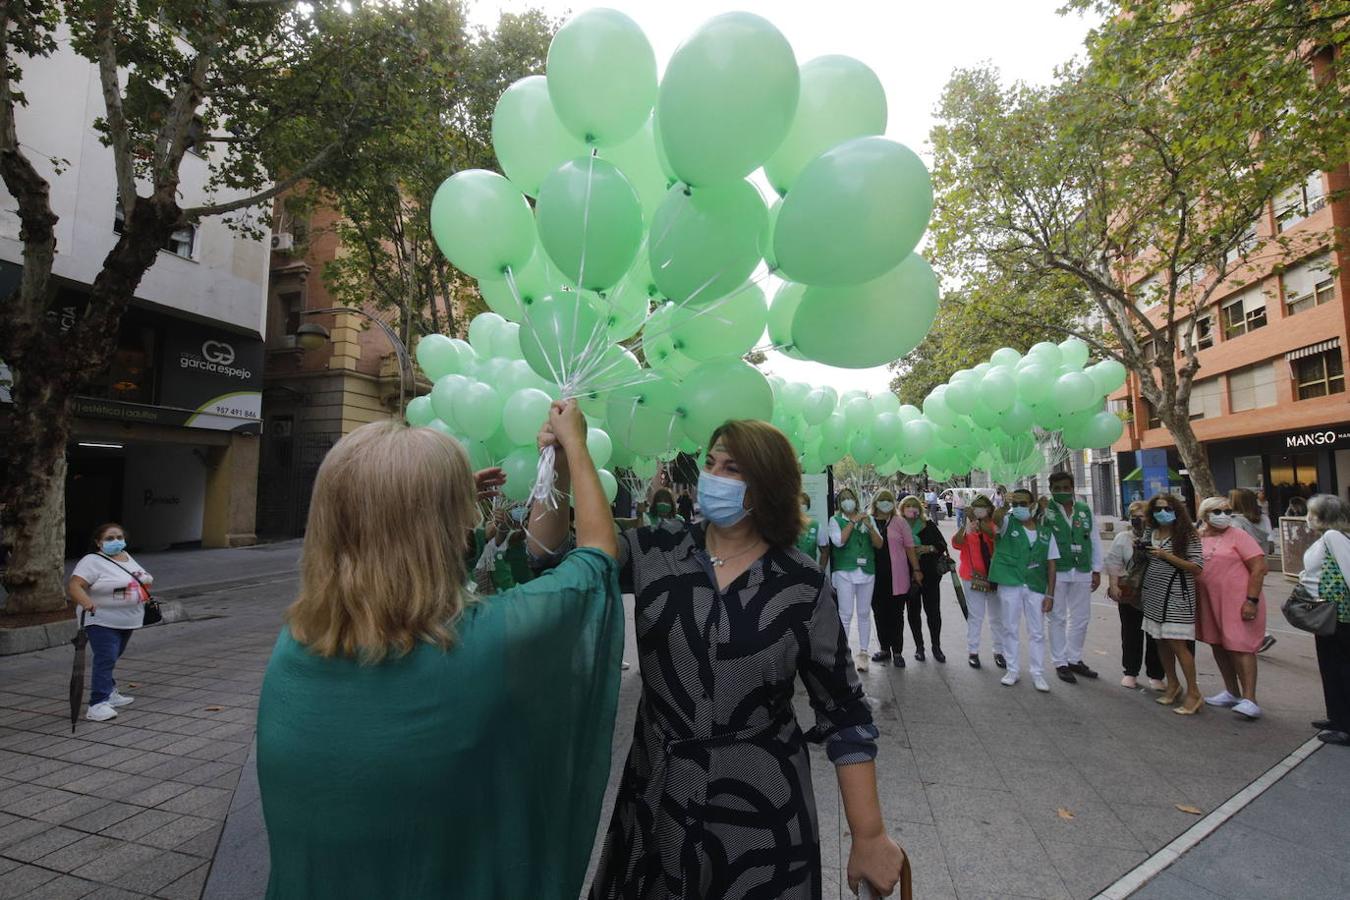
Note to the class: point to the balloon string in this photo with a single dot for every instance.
(533, 332)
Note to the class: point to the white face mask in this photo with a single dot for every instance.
(979, 512)
(1220, 520)
(848, 506)
(885, 506)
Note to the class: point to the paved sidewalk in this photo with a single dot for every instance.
(181, 573)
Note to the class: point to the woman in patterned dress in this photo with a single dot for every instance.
(1175, 559)
(716, 798)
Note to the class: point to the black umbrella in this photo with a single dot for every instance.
(81, 640)
(960, 594)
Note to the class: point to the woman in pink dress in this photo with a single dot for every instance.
(1231, 612)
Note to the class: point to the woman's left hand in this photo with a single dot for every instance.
(487, 481)
(879, 860)
(1248, 610)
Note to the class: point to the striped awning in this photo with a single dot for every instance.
(1315, 349)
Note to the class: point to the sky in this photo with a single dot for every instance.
(912, 46)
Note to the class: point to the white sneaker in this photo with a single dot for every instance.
(1156, 684)
(862, 661)
(115, 699)
(1247, 709)
(1008, 680)
(1039, 683)
(101, 712)
(1129, 681)
(1224, 699)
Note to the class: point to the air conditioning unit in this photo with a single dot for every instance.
(283, 241)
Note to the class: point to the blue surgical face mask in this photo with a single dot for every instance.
(1164, 516)
(721, 500)
(114, 547)
(518, 514)
(1021, 513)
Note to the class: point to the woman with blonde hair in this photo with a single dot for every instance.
(1230, 612)
(415, 740)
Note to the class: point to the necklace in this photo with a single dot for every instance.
(720, 561)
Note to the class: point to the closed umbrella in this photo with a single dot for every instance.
(81, 640)
(960, 594)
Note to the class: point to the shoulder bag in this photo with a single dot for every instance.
(1131, 584)
(980, 582)
(153, 615)
(1308, 613)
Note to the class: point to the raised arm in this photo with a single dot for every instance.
(566, 432)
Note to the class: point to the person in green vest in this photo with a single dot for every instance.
(814, 540)
(1023, 568)
(415, 739)
(659, 512)
(1078, 573)
(854, 541)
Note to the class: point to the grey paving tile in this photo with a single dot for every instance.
(1240, 862)
(82, 852)
(24, 880)
(1091, 825)
(43, 842)
(7, 864)
(200, 801)
(189, 887)
(109, 814)
(67, 887)
(1086, 870)
(179, 831)
(105, 867)
(20, 830)
(81, 778)
(1155, 824)
(28, 803)
(139, 825)
(927, 859)
(72, 809)
(157, 872)
(1004, 853)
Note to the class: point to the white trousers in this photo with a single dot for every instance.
(1069, 621)
(1019, 602)
(855, 596)
(979, 603)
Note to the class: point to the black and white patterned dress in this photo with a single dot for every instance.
(1168, 595)
(716, 798)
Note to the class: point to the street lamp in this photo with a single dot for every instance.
(312, 336)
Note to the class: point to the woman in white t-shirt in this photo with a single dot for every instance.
(111, 590)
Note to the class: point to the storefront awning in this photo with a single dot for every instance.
(1138, 475)
(1315, 349)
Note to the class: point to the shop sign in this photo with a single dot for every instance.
(1317, 438)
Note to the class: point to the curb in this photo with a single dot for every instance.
(32, 638)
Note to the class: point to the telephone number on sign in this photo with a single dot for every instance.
(232, 411)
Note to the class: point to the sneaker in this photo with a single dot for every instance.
(1247, 709)
(881, 656)
(1081, 668)
(1266, 643)
(1157, 684)
(1129, 681)
(1065, 675)
(974, 660)
(1008, 680)
(1000, 661)
(115, 699)
(939, 655)
(1039, 683)
(862, 661)
(1224, 699)
(101, 712)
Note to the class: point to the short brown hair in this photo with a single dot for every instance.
(1244, 504)
(96, 539)
(773, 479)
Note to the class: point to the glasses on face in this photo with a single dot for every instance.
(1161, 508)
(1221, 509)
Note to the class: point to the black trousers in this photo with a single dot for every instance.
(1136, 647)
(887, 617)
(1333, 661)
(924, 601)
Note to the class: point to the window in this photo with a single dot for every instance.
(1309, 284)
(1199, 331)
(1149, 292)
(1247, 312)
(1244, 246)
(1205, 399)
(1319, 375)
(182, 242)
(1252, 387)
(1300, 201)
(1248, 473)
(1154, 420)
(291, 304)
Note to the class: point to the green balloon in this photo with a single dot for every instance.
(1005, 356)
(1074, 392)
(1103, 429)
(726, 327)
(590, 222)
(962, 396)
(859, 414)
(997, 390)
(557, 331)
(478, 410)
(671, 362)
(626, 307)
(819, 405)
(766, 237)
(498, 446)
(792, 397)
(536, 279)
(1073, 353)
(705, 243)
(524, 413)
(522, 468)
(863, 448)
(866, 325)
(505, 341)
(1049, 354)
(638, 160)
(835, 429)
(854, 214)
(781, 314)
(438, 355)
(529, 139)
(1017, 418)
(886, 402)
(727, 99)
(1034, 382)
(482, 223)
(419, 412)
(600, 446)
(832, 451)
(601, 76)
(721, 390)
(1108, 375)
(985, 417)
(443, 394)
(481, 331)
(616, 367)
(841, 98)
(888, 430)
(920, 434)
(609, 484)
(645, 416)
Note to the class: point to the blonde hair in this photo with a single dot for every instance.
(1208, 504)
(915, 502)
(883, 494)
(383, 563)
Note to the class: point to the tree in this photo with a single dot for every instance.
(1146, 166)
(272, 88)
(383, 189)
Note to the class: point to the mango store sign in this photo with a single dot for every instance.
(1318, 438)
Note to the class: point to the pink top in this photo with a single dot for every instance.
(1223, 590)
(899, 535)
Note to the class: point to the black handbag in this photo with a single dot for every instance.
(153, 615)
(1306, 613)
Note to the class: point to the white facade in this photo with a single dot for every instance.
(225, 280)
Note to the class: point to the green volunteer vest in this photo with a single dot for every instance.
(1017, 562)
(1072, 531)
(857, 547)
(809, 542)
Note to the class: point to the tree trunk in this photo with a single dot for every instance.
(1192, 453)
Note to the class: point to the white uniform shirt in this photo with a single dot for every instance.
(1070, 576)
(117, 599)
(857, 576)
